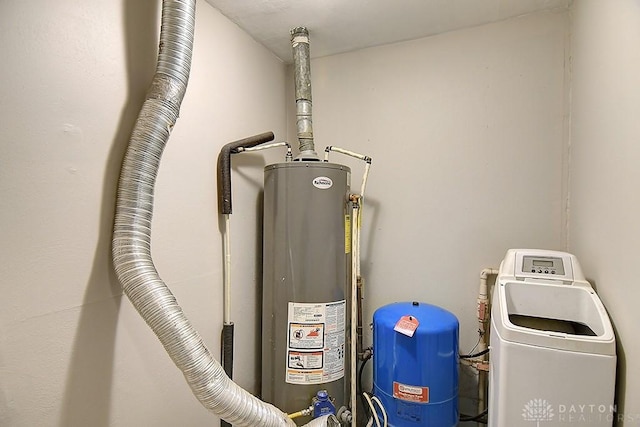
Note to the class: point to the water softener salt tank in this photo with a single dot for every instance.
(415, 364)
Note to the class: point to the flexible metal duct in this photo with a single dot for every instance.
(132, 232)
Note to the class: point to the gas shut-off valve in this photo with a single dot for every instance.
(322, 404)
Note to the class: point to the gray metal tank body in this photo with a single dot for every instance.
(305, 260)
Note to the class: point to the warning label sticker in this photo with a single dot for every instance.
(315, 350)
(407, 325)
(302, 335)
(304, 360)
(304, 377)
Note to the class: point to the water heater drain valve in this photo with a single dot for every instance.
(322, 404)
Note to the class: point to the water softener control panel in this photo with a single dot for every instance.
(544, 265)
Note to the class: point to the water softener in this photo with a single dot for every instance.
(415, 364)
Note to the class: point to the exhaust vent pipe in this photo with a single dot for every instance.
(302, 70)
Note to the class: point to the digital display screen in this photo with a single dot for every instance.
(539, 264)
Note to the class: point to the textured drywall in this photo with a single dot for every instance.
(467, 134)
(344, 26)
(604, 231)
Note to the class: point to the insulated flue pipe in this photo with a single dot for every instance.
(132, 232)
(302, 71)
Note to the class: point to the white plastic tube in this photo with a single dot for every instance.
(483, 319)
(384, 411)
(374, 413)
(226, 239)
(363, 186)
(356, 223)
(355, 255)
(288, 156)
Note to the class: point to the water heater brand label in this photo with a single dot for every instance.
(315, 347)
(322, 182)
(410, 393)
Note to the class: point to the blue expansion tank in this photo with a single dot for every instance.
(416, 377)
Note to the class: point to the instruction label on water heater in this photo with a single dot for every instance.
(315, 345)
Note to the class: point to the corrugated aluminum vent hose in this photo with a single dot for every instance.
(132, 233)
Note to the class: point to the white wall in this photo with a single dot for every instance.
(468, 134)
(466, 130)
(73, 352)
(604, 230)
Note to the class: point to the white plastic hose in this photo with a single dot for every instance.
(355, 255)
(226, 244)
(483, 321)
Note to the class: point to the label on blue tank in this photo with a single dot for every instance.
(410, 393)
(316, 340)
(407, 325)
